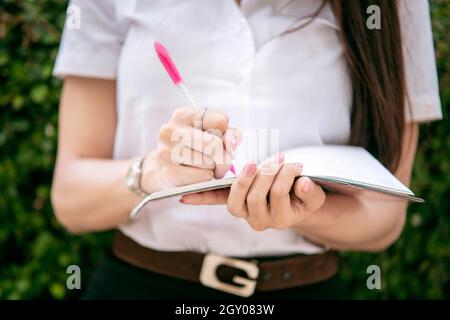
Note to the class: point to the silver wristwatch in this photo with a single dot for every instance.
(134, 177)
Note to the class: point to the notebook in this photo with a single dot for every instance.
(336, 168)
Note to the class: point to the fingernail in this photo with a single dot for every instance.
(299, 167)
(278, 158)
(306, 185)
(250, 169)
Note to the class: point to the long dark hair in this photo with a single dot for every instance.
(376, 66)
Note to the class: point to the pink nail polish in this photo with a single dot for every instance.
(280, 157)
(250, 169)
(299, 166)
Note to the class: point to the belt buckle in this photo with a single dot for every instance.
(208, 275)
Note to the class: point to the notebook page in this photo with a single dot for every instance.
(344, 162)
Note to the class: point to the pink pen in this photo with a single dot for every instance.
(175, 75)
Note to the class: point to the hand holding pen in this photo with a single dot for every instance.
(230, 137)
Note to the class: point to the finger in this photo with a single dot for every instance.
(202, 119)
(194, 158)
(214, 120)
(206, 143)
(279, 194)
(184, 156)
(259, 217)
(213, 197)
(232, 138)
(310, 193)
(180, 175)
(223, 156)
(189, 116)
(215, 149)
(238, 192)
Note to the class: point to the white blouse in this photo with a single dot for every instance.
(294, 87)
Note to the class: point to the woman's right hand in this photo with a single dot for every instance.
(190, 150)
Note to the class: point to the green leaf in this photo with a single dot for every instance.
(39, 93)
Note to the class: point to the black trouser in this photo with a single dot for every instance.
(115, 279)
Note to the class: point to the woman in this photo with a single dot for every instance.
(305, 74)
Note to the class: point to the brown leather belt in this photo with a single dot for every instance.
(233, 275)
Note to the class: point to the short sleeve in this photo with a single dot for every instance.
(91, 45)
(420, 62)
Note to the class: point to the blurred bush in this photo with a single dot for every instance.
(35, 251)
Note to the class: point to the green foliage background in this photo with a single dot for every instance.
(35, 250)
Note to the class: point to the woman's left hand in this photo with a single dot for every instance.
(268, 196)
